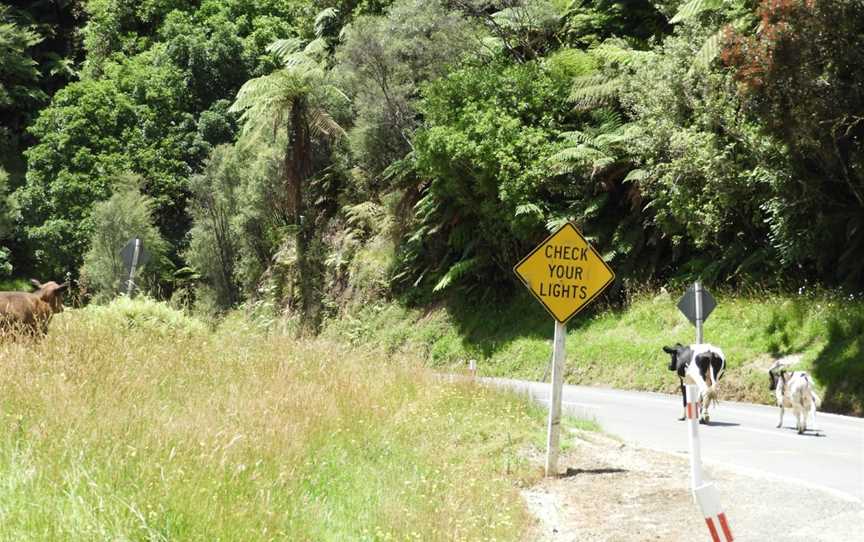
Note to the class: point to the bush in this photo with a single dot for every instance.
(143, 314)
(127, 214)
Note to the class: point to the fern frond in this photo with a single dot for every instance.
(608, 119)
(709, 50)
(323, 19)
(692, 8)
(316, 49)
(636, 175)
(616, 51)
(532, 16)
(595, 206)
(322, 124)
(575, 137)
(556, 222)
(364, 213)
(610, 138)
(529, 209)
(284, 47)
(590, 91)
(574, 155)
(456, 271)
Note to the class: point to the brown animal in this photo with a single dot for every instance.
(30, 312)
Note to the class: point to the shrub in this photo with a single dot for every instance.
(127, 214)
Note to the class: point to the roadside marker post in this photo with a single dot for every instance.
(705, 494)
(565, 274)
(692, 392)
(715, 519)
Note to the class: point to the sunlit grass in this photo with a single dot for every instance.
(622, 347)
(126, 425)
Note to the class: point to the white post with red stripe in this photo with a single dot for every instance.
(706, 495)
(692, 392)
(709, 503)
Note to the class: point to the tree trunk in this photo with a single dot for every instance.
(298, 169)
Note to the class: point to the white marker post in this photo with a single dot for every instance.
(692, 392)
(135, 256)
(705, 494)
(697, 286)
(709, 502)
(554, 432)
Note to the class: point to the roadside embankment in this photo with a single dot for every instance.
(621, 347)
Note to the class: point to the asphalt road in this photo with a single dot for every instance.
(741, 436)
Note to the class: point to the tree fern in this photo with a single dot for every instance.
(710, 49)
(692, 8)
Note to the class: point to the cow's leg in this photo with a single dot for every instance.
(683, 402)
(813, 415)
(780, 423)
(800, 419)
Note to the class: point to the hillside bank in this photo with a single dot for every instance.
(621, 347)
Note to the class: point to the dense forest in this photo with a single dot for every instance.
(305, 155)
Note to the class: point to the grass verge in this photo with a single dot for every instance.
(133, 423)
(622, 347)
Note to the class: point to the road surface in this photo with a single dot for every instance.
(741, 436)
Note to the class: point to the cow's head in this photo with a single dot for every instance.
(674, 351)
(51, 293)
(775, 374)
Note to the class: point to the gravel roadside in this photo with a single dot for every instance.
(612, 491)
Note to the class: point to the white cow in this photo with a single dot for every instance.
(794, 389)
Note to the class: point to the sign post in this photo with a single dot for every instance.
(133, 255)
(553, 432)
(565, 274)
(697, 304)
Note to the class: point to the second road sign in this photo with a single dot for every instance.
(564, 273)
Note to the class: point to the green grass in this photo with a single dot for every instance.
(622, 347)
(15, 285)
(134, 422)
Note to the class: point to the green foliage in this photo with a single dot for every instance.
(6, 215)
(591, 22)
(382, 62)
(214, 207)
(18, 70)
(295, 102)
(798, 78)
(489, 131)
(142, 315)
(125, 215)
(708, 172)
(159, 77)
(473, 128)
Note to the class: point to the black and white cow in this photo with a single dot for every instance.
(700, 364)
(794, 389)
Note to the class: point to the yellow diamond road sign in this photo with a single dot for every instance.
(564, 273)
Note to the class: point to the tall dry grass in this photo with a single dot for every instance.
(132, 422)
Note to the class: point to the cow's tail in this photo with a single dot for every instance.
(816, 400)
(712, 393)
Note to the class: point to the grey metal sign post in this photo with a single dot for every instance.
(697, 304)
(133, 255)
